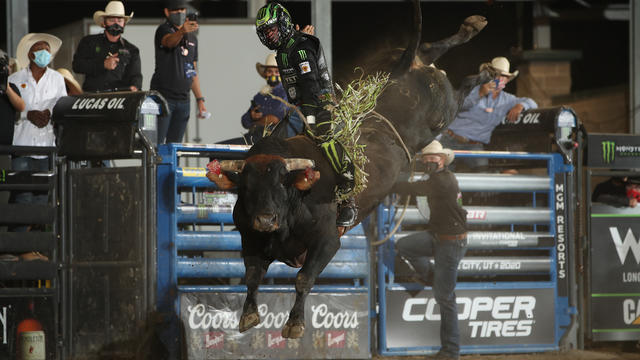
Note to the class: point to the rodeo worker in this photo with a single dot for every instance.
(445, 241)
(306, 79)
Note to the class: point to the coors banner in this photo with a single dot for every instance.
(336, 327)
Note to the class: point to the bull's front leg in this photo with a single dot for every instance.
(255, 269)
(317, 259)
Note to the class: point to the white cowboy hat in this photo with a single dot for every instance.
(68, 77)
(27, 41)
(501, 65)
(436, 148)
(270, 61)
(114, 9)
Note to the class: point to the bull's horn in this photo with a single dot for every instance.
(298, 164)
(232, 165)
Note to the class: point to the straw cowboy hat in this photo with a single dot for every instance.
(501, 66)
(113, 9)
(70, 80)
(27, 41)
(270, 61)
(435, 148)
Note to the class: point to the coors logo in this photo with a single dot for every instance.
(335, 339)
(214, 340)
(275, 340)
(200, 318)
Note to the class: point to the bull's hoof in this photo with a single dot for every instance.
(472, 26)
(247, 321)
(293, 330)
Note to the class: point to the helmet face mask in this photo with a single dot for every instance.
(273, 25)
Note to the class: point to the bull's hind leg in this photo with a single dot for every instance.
(430, 52)
(256, 267)
(317, 259)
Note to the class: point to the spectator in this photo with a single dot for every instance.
(264, 108)
(109, 62)
(176, 48)
(618, 191)
(483, 109)
(41, 87)
(11, 104)
(308, 84)
(445, 241)
(72, 85)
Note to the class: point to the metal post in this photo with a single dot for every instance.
(634, 64)
(321, 19)
(17, 24)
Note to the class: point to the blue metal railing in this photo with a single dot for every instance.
(486, 271)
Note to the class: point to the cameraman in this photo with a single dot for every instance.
(11, 104)
(176, 48)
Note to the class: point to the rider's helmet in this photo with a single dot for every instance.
(274, 16)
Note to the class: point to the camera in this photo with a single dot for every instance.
(192, 16)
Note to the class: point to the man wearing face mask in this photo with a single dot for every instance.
(108, 61)
(483, 109)
(445, 241)
(264, 108)
(40, 88)
(176, 49)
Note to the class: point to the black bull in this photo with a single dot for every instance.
(286, 209)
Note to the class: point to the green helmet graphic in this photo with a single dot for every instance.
(273, 16)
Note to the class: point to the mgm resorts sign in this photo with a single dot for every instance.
(613, 151)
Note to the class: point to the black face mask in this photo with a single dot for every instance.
(115, 29)
(273, 80)
(177, 19)
(431, 167)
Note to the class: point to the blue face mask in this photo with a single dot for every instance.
(42, 58)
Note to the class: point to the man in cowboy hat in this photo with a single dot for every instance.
(264, 108)
(483, 109)
(445, 241)
(40, 87)
(108, 61)
(176, 49)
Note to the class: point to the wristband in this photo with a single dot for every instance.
(199, 99)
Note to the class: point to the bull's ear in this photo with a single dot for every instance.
(304, 180)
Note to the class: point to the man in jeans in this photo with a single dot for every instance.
(176, 49)
(445, 241)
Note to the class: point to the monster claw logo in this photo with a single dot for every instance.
(608, 151)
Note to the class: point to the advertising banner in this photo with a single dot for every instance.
(34, 315)
(615, 274)
(486, 317)
(613, 151)
(336, 327)
(562, 241)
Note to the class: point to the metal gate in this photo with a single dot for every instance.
(200, 272)
(514, 283)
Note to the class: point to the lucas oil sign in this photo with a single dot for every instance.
(336, 327)
(499, 317)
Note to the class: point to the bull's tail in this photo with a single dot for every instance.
(403, 65)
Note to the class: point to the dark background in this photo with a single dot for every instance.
(360, 28)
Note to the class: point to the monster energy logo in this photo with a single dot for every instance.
(303, 54)
(3, 175)
(263, 15)
(608, 151)
(285, 60)
(291, 41)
